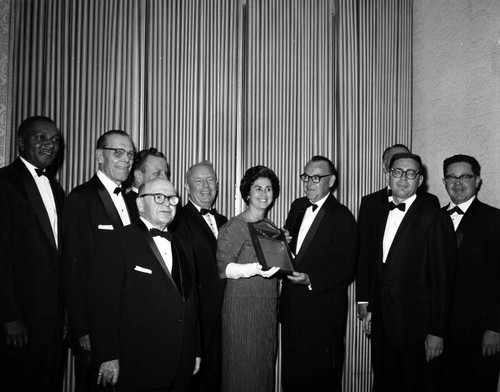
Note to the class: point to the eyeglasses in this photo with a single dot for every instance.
(462, 178)
(316, 178)
(409, 174)
(120, 152)
(159, 198)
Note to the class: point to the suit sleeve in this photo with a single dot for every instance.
(106, 277)
(364, 269)
(10, 309)
(78, 245)
(492, 286)
(442, 254)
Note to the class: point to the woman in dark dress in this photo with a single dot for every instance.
(249, 311)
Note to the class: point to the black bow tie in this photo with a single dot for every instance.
(165, 234)
(309, 204)
(41, 172)
(400, 206)
(455, 209)
(205, 211)
(118, 190)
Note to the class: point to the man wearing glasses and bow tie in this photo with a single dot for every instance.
(93, 206)
(143, 319)
(199, 222)
(413, 280)
(313, 302)
(472, 353)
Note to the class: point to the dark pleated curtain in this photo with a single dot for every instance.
(237, 82)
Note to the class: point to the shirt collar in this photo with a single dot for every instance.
(149, 225)
(463, 206)
(321, 201)
(108, 183)
(196, 205)
(408, 202)
(31, 168)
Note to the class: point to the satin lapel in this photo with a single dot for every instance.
(404, 224)
(140, 224)
(310, 234)
(107, 203)
(185, 273)
(36, 201)
(296, 229)
(466, 220)
(201, 221)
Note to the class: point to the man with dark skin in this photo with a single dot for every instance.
(30, 306)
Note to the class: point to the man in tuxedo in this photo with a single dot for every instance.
(413, 280)
(93, 206)
(199, 222)
(313, 303)
(31, 312)
(148, 164)
(369, 204)
(472, 352)
(143, 299)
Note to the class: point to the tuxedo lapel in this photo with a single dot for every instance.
(466, 220)
(149, 239)
(108, 204)
(402, 227)
(36, 202)
(310, 233)
(201, 221)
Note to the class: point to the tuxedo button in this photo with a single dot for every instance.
(181, 321)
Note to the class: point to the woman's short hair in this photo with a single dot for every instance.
(252, 174)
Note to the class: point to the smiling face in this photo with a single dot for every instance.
(402, 187)
(316, 191)
(159, 215)
(116, 169)
(201, 185)
(261, 194)
(461, 190)
(40, 144)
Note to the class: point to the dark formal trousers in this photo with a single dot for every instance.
(32, 368)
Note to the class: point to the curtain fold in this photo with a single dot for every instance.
(237, 82)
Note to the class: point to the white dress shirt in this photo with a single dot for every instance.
(394, 220)
(455, 217)
(163, 245)
(118, 199)
(308, 220)
(209, 218)
(43, 185)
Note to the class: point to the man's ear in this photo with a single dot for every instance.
(138, 177)
(186, 188)
(99, 156)
(420, 179)
(331, 183)
(140, 203)
(20, 144)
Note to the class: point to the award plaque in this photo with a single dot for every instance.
(271, 247)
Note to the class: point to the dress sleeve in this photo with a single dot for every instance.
(229, 243)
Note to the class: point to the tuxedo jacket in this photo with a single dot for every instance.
(412, 291)
(138, 315)
(29, 258)
(370, 205)
(89, 210)
(130, 200)
(476, 300)
(190, 223)
(328, 256)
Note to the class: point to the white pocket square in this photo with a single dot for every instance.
(141, 269)
(105, 227)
